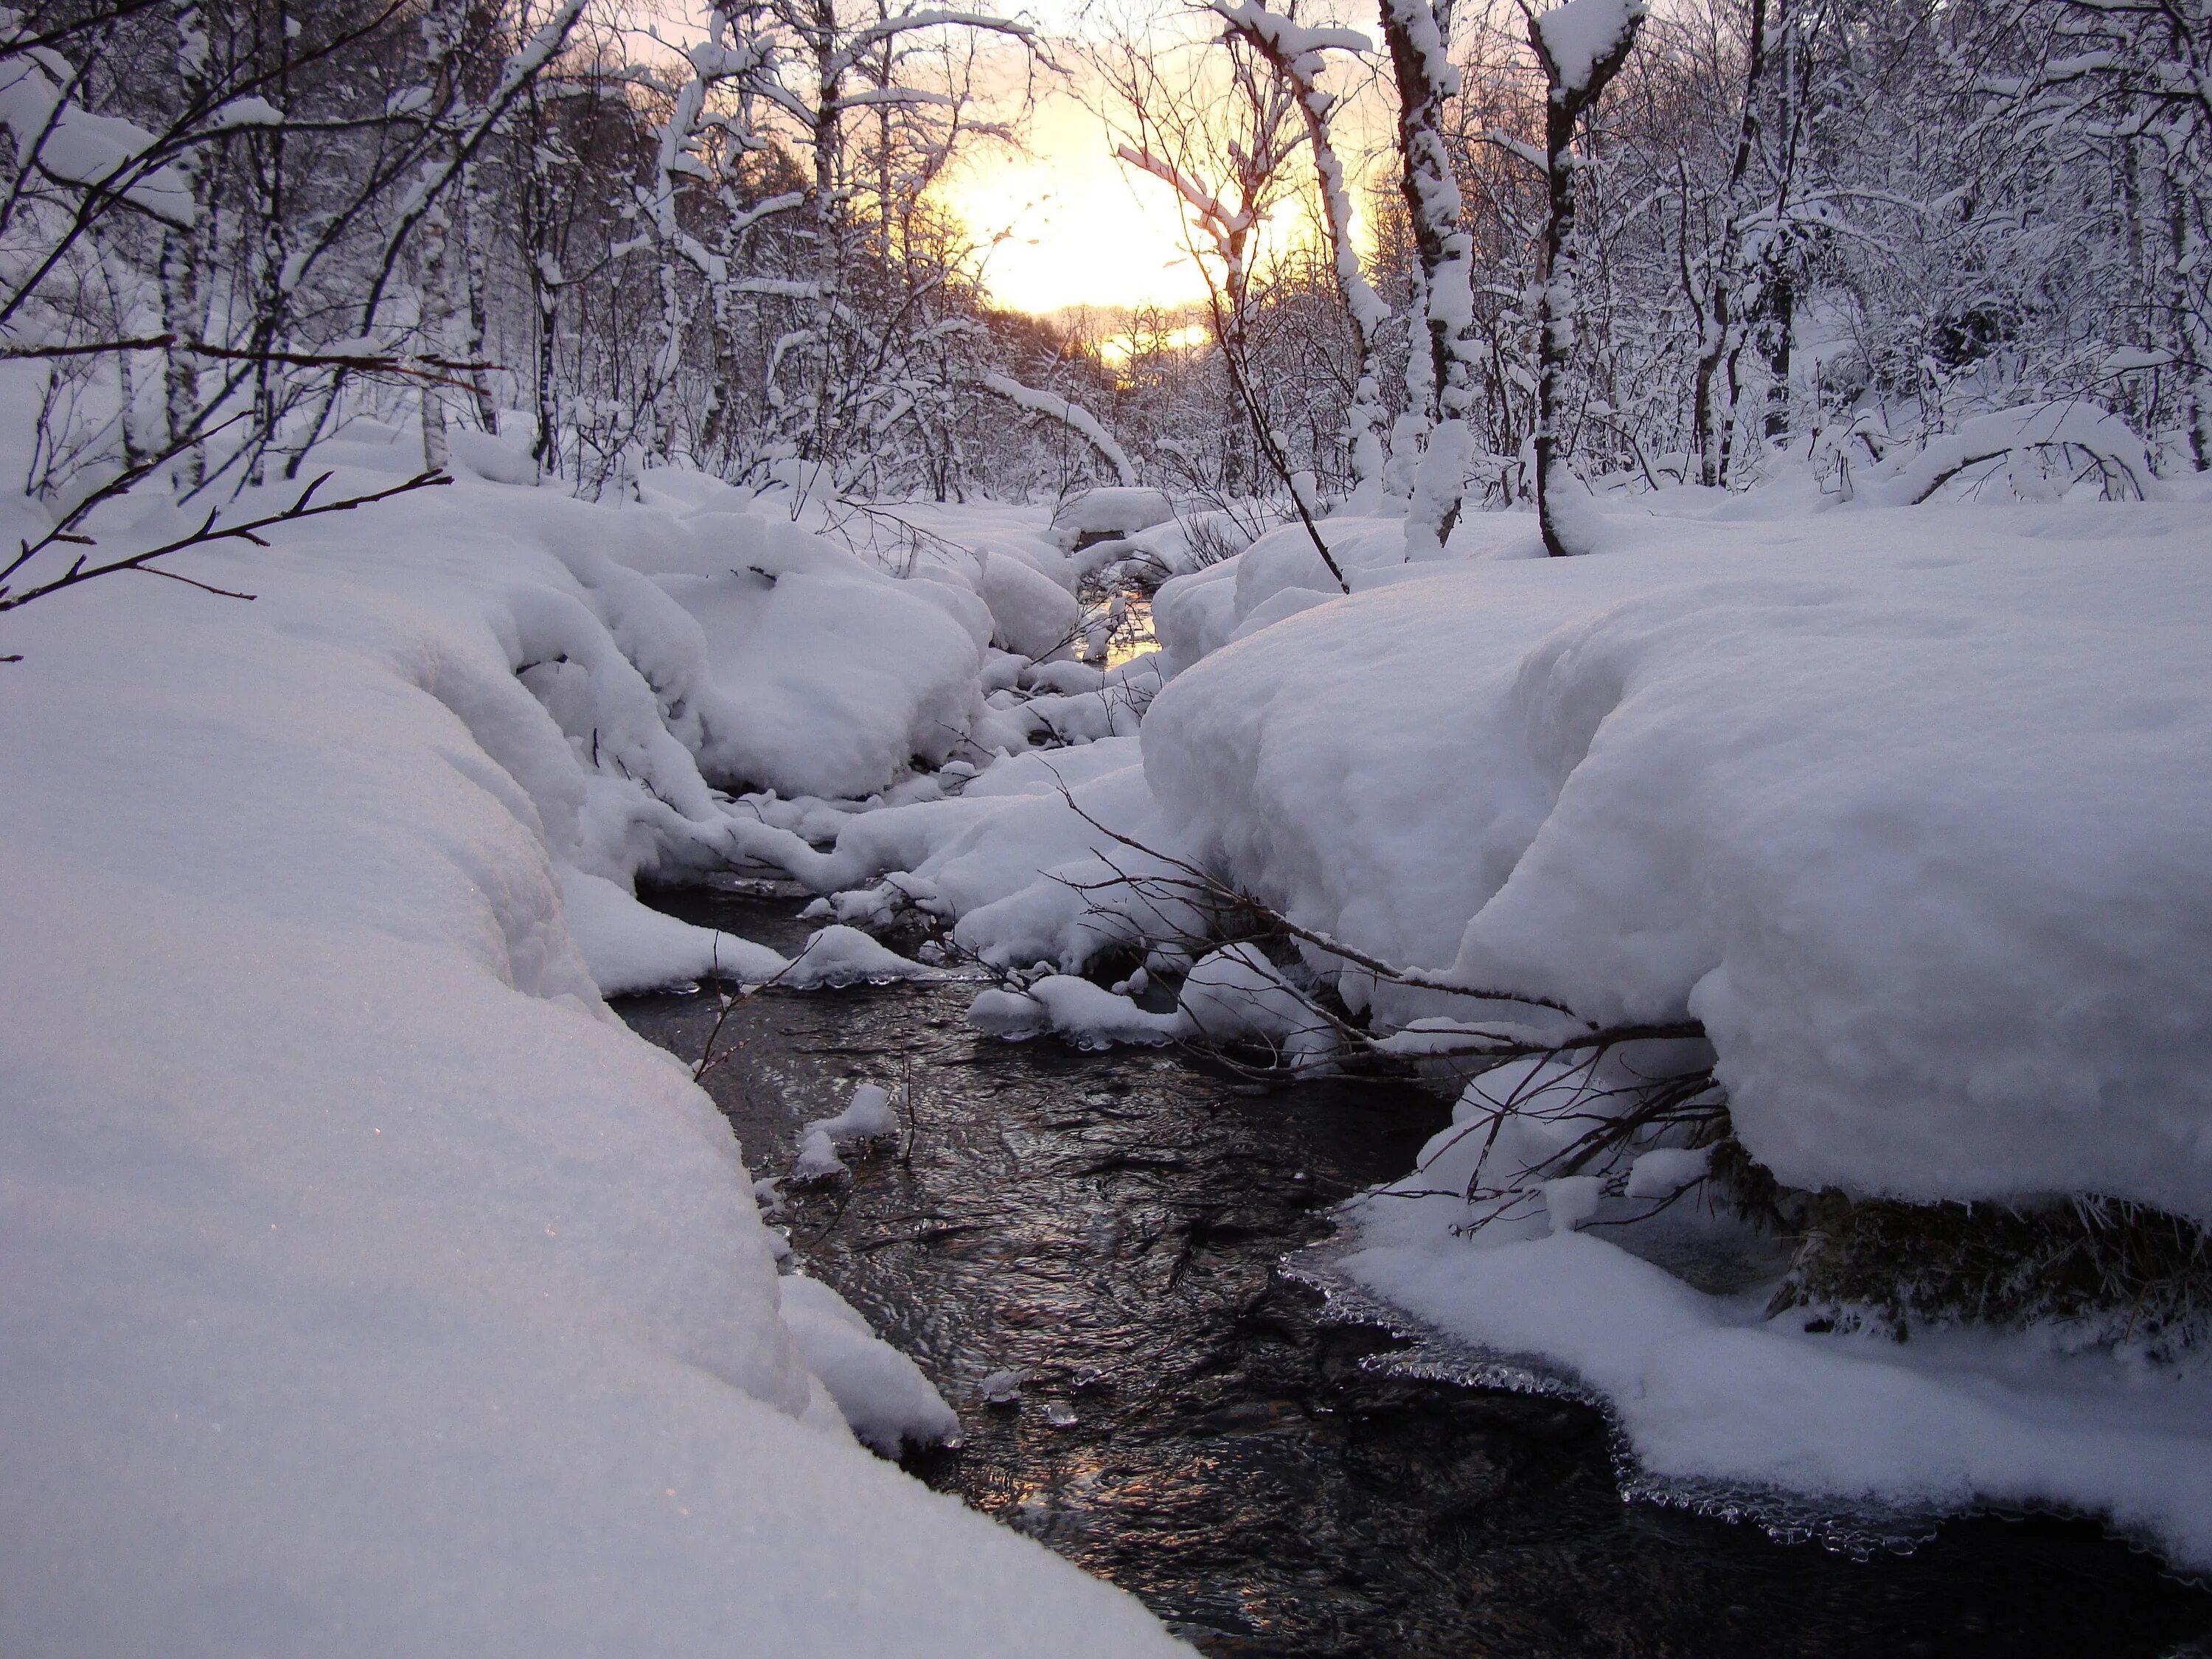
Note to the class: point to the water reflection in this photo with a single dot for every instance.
(1192, 1424)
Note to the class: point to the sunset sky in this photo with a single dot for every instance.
(1083, 231)
(1079, 227)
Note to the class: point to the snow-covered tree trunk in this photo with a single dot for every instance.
(1296, 53)
(1581, 47)
(1720, 321)
(183, 309)
(1417, 33)
(477, 219)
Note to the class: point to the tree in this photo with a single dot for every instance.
(1581, 47)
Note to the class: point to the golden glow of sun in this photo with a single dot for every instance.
(1071, 228)
(1117, 350)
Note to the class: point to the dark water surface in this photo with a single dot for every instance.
(1198, 1430)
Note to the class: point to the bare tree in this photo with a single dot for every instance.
(1581, 47)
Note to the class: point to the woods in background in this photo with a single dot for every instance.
(1756, 237)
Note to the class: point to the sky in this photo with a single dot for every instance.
(1079, 229)
(1073, 226)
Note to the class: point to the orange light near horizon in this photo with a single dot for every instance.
(1071, 229)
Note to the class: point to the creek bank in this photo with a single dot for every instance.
(1198, 1429)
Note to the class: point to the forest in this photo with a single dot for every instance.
(1232, 824)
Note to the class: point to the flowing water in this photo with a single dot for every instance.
(1198, 1428)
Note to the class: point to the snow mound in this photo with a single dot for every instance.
(344, 1219)
(868, 1116)
(1900, 819)
(1238, 995)
(1086, 1015)
(1115, 511)
(838, 955)
(627, 948)
(1030, 614)
(881, 1393)
(1911, 811)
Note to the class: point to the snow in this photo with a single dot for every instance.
(1121, 511)
(1083, 1013)
(868, 1116)
(76, 146)
(1897, 816)
(1910, 809)
(817, 1159)
(878, 1390)
(371, 1288)
(1713, 1396)
(1906, 808)
(627, 948)
(1236, 993)
(1288, 38)
(839, 955)
(1030, 614)
(1988, 438)
(1582, 33)
(1074, 414)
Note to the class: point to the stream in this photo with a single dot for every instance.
(1198, 1429)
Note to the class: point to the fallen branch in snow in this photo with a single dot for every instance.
(1196, 878)
(1068, 413)
(207, 535)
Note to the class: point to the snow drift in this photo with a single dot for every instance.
(371, 1288)
(1914, 823)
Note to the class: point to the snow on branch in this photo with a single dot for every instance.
(860, 40)
(1220, 220)
(1583, 42)
(1070, 414)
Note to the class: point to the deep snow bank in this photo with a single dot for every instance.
(1915, 819)
(1913, 811)
(370, 1289)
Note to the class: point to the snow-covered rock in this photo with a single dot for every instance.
(1030, 614)
(1119, 510)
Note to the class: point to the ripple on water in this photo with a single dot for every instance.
(1276, 1468)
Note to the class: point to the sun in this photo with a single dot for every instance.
(1066, 224)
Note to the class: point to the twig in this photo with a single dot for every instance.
(208, 534)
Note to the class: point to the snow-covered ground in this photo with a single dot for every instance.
(373, 1290)
(1910, 809)
(370, 1289)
